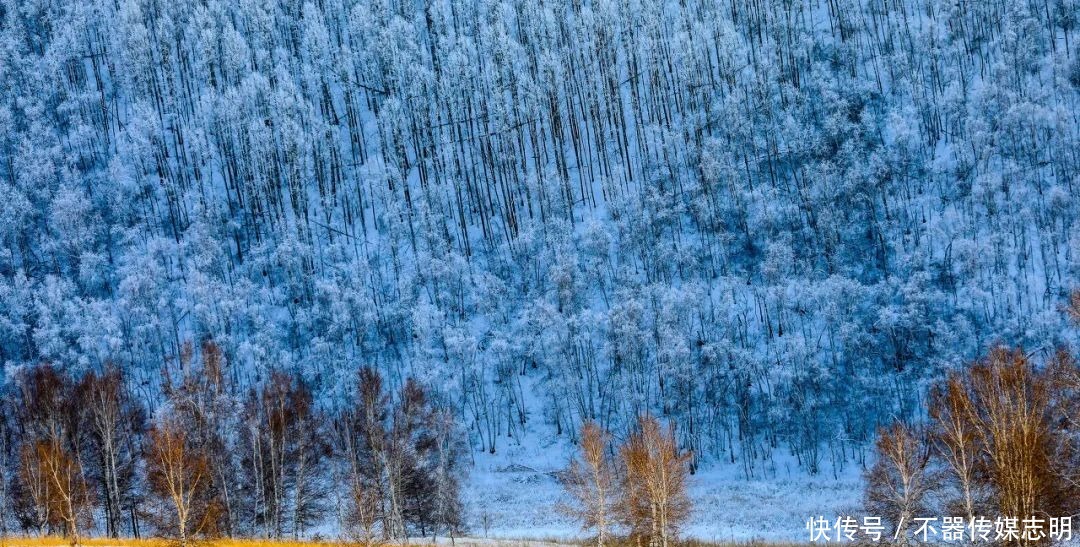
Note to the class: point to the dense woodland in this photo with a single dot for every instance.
(771, 223)
(83, 458)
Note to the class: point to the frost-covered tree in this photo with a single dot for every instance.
(773, 224)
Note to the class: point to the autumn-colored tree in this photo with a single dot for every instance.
(1011, 414)
(51, 490)
(200, 398)
(1072, 309)
(654, 502)
(180, 475)
(590, 482)
(956, 441)
(1003, 430)
(897, 485)
(68, 495)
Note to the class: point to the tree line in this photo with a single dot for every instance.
(759, 220)
(999, 440)
(82, 456)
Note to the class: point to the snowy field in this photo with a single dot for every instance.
(516, 493)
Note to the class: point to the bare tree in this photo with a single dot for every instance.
(654, 501)
(362, 515)
(8, 465)
(955, 439)
(1065, 418)
(403, 451)
(284, 448)
(362, 439)
(115, 423)
(67, 491)
(32, 492)
(590, 482)
(896, 485)
(180, 475)
(1011, 414)
(449, 447)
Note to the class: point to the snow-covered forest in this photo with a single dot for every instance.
(770, 223)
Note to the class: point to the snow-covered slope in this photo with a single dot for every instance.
(773, 224)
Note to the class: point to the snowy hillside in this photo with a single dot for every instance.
(770, 223)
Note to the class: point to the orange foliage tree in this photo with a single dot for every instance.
(654, 502)
(69, 496)
(590, 482)
(1003, 432)
(180, 475)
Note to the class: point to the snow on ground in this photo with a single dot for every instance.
(516, 493)
(729, 507)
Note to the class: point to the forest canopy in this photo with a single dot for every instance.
(772, 223)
